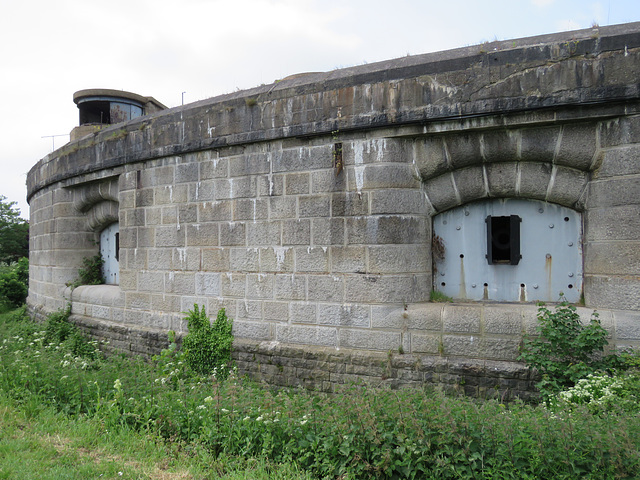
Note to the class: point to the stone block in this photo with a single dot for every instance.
(428, 344)
(398, 258)
(170, 194)
(165, 303)
(297, 183)
(185, 173)
(375, 150)
(568, 186)
(430, 156)
(134, 217)
(325, 288)
(500, 348)
(282, 207)
(502, 320)
(169, 215)
(232, 234)
(232, 284)
(207, 283)
(387, 176)
(577, 146)
(263, 233)
(296, 232)
(324, 181)
(312, 259)
(250, 209)
(249, 309)
(276, 311)
(627, 325)
(201, 191)
(307, 335)
(534, 180)
(169, 236)
(620, 293)
(405, 202)
(180, 283)
(502, 179)
(369, 340)
(463, 149)
(424, 316)
(213, 167)
(614, 192)
(303, 158)
(252, 330)
(151, 281)
(462, 319)
(346, 204)
(214, 211)
(202, 234)
(314, 206)
(441, 192)
(344, 315)
(328, 231)
(215, 259)
(260, 286)
(270, 185)
(186, 259)
(470, 183)
(236, 187)
(613, 223)
(350, 259)
(244, 260)
(303, 312)
(138, 301)
(253, 164)
(500, 145)
(386, 229)
(620, 131)
(290, 287)
(619, 161)
(277, 259)
(397, 289)
(461, 345)
(612, 258)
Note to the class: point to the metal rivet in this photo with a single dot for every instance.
(551, 225)
(473, 285)
(570, 244)
(541, 210)
(458, 227)
(571, 274)
(535, 285)
(466, 213)
(444, 222)
(442, 274)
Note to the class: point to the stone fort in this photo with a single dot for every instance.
(327, 212)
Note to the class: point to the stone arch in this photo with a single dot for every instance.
(548, 163)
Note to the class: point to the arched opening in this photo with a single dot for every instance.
(508, 250)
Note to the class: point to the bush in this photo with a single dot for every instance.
(566, 351)
(207, 348)
(14, 283)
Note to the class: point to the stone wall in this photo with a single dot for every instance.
(305, 207)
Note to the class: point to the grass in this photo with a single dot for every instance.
(148, 419)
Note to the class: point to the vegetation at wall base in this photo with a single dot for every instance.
(207, 347)
(383, 433)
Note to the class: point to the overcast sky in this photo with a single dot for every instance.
(161, 48)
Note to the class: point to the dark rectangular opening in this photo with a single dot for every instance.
(503, 240)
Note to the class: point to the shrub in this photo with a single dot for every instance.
(14, 283)
(91, 271)
(565, 350)
(207, 348)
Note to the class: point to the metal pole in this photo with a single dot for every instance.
(183, 97)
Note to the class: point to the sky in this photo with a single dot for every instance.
(197, 49)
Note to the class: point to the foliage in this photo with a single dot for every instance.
(601, 393)
(383, 433)
(565, 350)
(91, 271)
(207, 348)
(14, 282)
(14, 233)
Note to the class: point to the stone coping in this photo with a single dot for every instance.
(103, 295)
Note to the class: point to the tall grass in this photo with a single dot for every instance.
(357, 432)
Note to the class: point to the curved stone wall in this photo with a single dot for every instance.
(305, 207)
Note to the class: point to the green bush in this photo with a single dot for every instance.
(14, 283)
(91, 271)
(207, 348)
(565, 350)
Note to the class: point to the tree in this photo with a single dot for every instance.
(14, 233)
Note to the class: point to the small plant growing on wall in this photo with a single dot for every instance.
(90, 273)
(207, 347)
